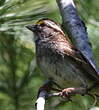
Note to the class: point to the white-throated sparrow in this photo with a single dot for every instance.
(58, 58)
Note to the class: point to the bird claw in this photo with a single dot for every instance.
(66, 93)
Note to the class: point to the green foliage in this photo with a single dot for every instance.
(17, 58)
(20, 77)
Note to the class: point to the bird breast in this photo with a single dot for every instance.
(61, 68)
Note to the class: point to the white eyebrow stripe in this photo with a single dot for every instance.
(54, 26)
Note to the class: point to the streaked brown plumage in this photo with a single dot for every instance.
(58, 58)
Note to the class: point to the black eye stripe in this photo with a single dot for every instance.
(42, 24)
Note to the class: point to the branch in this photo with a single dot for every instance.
(43, 95)
(41, 100)
(76, 29)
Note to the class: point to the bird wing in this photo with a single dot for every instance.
(81, 60)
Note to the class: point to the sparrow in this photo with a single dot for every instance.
(60, 60)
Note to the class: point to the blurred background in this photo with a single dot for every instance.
(20, 78)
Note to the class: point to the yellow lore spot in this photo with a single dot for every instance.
(40, 22)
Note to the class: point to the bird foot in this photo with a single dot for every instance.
(68, 92)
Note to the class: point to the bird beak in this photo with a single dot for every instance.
(31, 27)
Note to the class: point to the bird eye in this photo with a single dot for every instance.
(42, 25)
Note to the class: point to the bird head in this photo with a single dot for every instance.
(44, 28)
